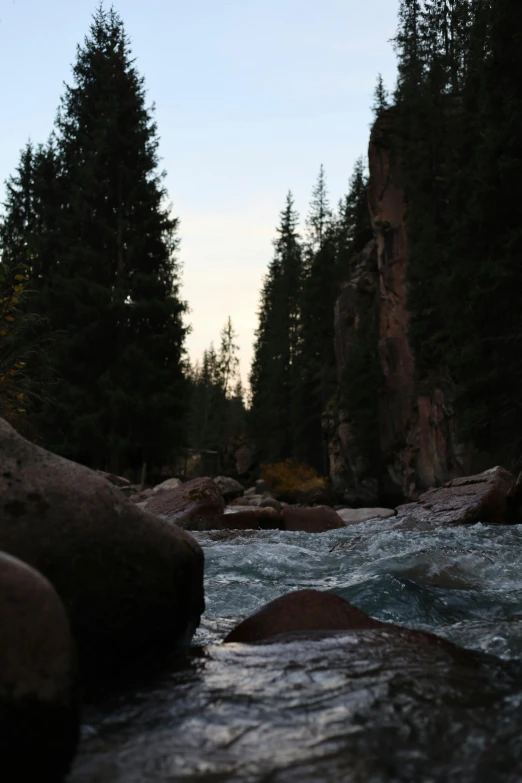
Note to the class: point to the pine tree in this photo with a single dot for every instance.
(217, 410)
(273, 377)
(316, 356)
(27, 245)
(380, 97)
(113, 286)
(353, 225)
(486, 324)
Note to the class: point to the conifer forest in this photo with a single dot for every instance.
(405, 294)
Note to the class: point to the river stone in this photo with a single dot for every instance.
(318, 519)
(195, 505)
(170, 483)
(313, 614)
(480, 498)
(229, 487)
(248, 518)
(351, 516)
(38, 706)
(130, 582)
(271, 503)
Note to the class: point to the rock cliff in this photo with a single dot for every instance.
(416, 434)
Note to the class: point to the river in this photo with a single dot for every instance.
(360, 707)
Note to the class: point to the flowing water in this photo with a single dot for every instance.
(361, 707)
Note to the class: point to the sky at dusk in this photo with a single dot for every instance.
(251, 96)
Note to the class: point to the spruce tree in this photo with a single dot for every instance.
(316, 356)
(216, 415)
(28, 243)
(274, 374)
(380, 97)
(113, 286)
(361, 379)
(487, 326)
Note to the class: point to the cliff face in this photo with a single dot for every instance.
(416, 429)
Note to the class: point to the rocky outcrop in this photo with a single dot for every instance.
(131, 583)
(481, 498)
(38, 703)
(417, 442)
(195, 505)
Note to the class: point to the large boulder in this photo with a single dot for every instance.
(195, 505)
(229, 487)
(311, 613)
(38, 704)
(351, 516)
(318, 519)
(480, 498)
(130, 582)
(248, 518)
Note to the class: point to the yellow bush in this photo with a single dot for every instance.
(291, 476)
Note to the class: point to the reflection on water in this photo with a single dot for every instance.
(363, 707)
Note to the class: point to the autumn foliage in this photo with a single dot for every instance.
(290, 476)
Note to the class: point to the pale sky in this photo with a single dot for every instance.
(251, 97)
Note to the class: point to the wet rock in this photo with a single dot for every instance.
(250, 500)
(248, 518)
(195, 505)
(351, 516)
(311, 613)
(130, 582)
(229, 487)
(318, 519)
(250, 492)
(261, 487)
(165, 486)
(271, 503)
(38, 706)
(480, 498)
(141, 495)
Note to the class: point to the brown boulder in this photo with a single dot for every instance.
(318, 519)
(313, 614)
(38, 709)
(248, 518)
(195, 505)
(130, 582)
(480, 498)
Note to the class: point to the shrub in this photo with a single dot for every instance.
(290, 476)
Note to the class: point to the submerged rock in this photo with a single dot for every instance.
(38, 706)
(312, 614)
(318, 519)
(480, 498)
(130, 582)
(195, 505)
